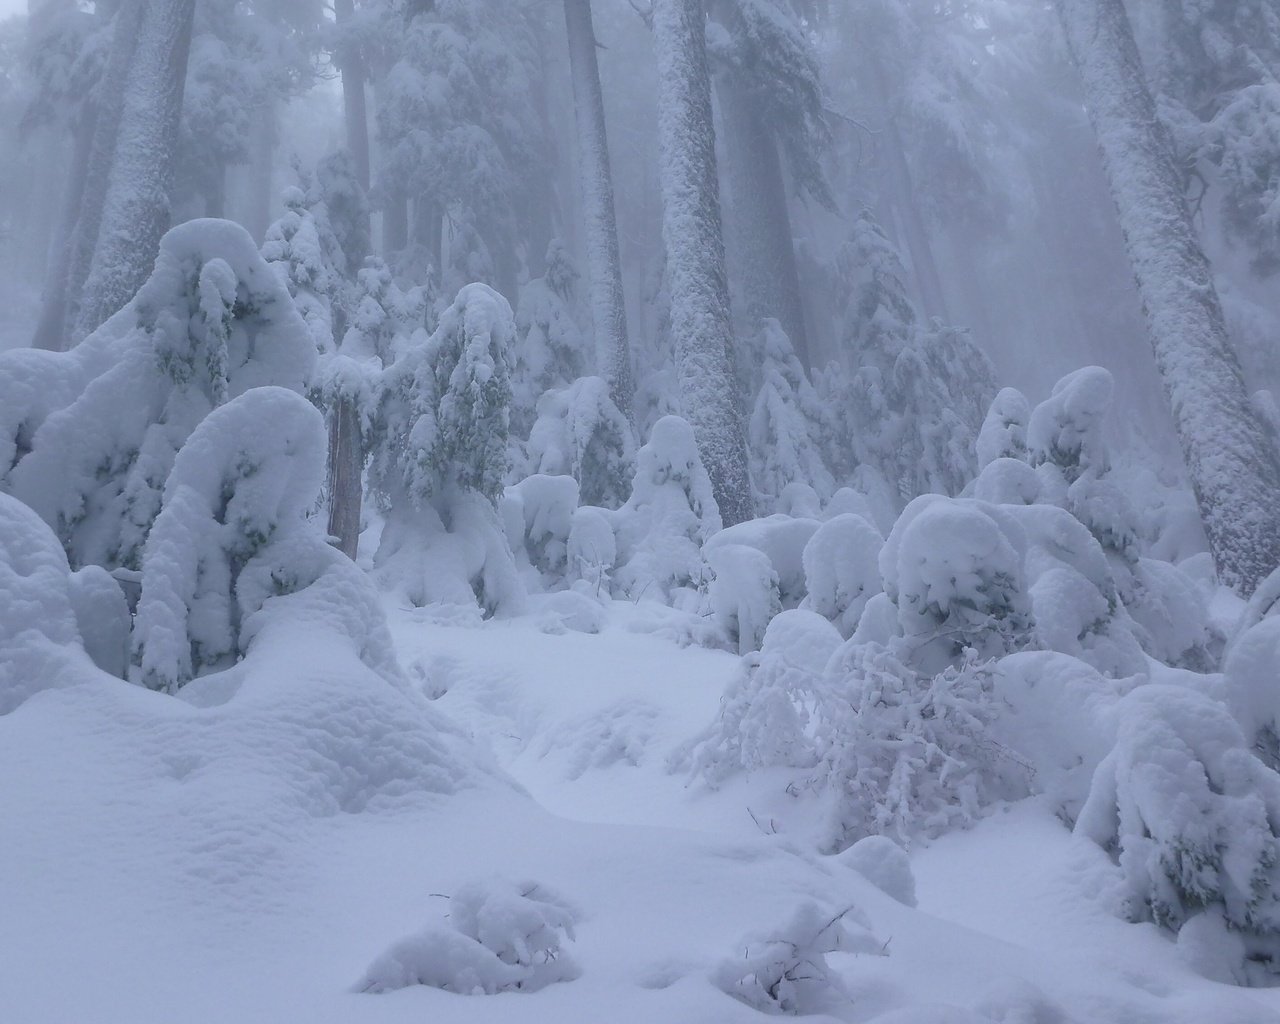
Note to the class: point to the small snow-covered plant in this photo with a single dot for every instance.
(581, 433)
(1193, 817)
(669, 516)
(1067, 430)
(783, 540)
(538, 514)
(786, 431)
(765, 714)
(1004, 431)
(40, 645)
(236, 500)
(500, 937)
(89, 436)
(440, 456)
(842, 570)
(550, 351)
(743, 594)
(293, 247)
(903, 753)
(785, 970)
(955, 575)
(592, 551)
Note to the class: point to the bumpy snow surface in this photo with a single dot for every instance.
(310, 843)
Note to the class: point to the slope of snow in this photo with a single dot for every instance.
(247, 853)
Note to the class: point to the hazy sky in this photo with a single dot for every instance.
(8, 7)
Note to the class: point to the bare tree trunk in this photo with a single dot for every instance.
(608, 308)
(758, 223)
(102, 149)
(1232, 462)
(701, 328)
(51, 330)
(135, 213)
(346, 488)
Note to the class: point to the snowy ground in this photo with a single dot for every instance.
(247, 861)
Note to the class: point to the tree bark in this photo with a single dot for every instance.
(346, 467)
(354, 105)
(106, 129)
(701, 328)
(135, 214)
(1231, 460)
(595, 177)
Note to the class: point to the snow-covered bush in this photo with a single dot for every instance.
(785, 970)
(765, 712)
(670, 515)
(40, 644)
(786, 430)
(231, 532)
(1193, 816)
(440, 457)
(292, 246)
(93, 451)
(500, 937)
(904, 753)
(953, 568)
(550, 351)
(592, 551)
(581, 433)
(743, 593)
(842, 570)
(1251, 671)
(1004, 431)
(537, 514)
(782, 539)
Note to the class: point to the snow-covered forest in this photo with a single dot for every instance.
(667, 511)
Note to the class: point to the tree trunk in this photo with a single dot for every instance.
(1232, 462)
(702, 332)
(135, 214)
(215, 197)
(900, 185)
(608, 308)
(395, 223)
(262, 195)
(346, 466)
(51, 330)
(354, 106)
(758, 223)
(106, 129)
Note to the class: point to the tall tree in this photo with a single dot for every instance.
(701, 329)
(1232, 461)
(608, 311)
(135, 211)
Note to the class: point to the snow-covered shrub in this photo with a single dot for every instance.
(592, 551)
(1251, 671)
(799, 501)
(581, 433)
(500, 937)
(40, 644)
(537, 514)
(1057, 715)
(1067, 430)
(904, 753)
(1007, 481)
(786, 430)
(782, 539)
(842, 570)
(1004, 431)
(884, 864)
(550, 351)
(92, 454)
(1193, 816)
(765, 712)
(440, 457)
(102, 617)
(670, 515)
(292, 246)
(785, 970)
(233, 509)
(954, 572)
(743, 593)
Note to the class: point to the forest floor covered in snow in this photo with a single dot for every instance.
(256, 851)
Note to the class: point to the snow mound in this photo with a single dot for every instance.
(884, 864)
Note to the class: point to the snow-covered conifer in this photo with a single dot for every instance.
(580, 432)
